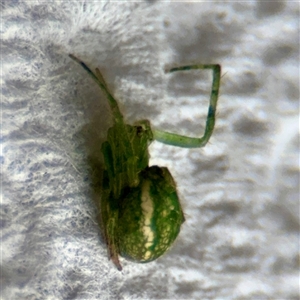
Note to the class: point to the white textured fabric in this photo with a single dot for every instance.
(240, 193)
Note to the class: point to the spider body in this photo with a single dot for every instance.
(140, 210)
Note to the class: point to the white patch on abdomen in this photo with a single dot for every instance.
(147, 207)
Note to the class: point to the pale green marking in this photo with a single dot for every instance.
(147, 255)
(147, 207)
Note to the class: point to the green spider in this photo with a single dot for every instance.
(140, 210)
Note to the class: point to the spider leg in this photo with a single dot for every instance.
(118, 117)
(190, 142)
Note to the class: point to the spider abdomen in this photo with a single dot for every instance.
(150, 216)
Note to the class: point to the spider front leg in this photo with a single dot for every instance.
(98, 78)
(190, 142)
